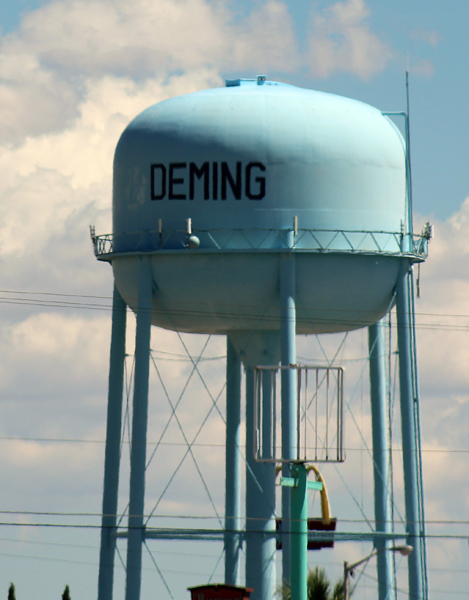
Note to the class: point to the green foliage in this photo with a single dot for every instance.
(11, 592)
(338, 593)
(319, 587)
(66, 594)
(283, 591)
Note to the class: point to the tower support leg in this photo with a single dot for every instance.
(112, 450)
(289, 392)
(409, 445)
(260, 502)
(233, 463)
(139, 432)
(256, 348)
(380, 457)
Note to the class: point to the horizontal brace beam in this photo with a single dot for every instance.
(217, 535)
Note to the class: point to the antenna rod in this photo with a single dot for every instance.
(409, 168)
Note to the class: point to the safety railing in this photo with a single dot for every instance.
(232, 240)
(320, 413)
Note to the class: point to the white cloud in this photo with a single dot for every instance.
(53, 358)
(422, 66)
(33, 100)
(48, 66)
(53, 187)
(342, 41)
(84, 151)
(136, 39)
(442, 324)
(139, 39)
(430, 36)
(264, 42)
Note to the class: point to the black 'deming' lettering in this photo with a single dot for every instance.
(173, 181)
(208, 181)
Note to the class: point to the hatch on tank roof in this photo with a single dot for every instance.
(259, 80)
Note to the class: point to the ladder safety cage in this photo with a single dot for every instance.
(320, 413)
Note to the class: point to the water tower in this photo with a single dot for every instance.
(260, 211)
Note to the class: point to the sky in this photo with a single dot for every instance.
(72, 76)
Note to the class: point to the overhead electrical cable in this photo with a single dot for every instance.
(437, 326)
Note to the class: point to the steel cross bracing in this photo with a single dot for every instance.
(200, 534)
(194, 534)
(173, 408)
(159, 570)
(189, 444)
(349, 409)
(217, 535)
(189, 450)
(173, 413)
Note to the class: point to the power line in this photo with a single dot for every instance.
(456, 592)
(166, 552)
(96, 547)
(60, 294)
(198, 517)
(7, 438)
(186, 312)
(55, 294)
(93, 564)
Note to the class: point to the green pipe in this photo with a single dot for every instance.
(299, 533)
